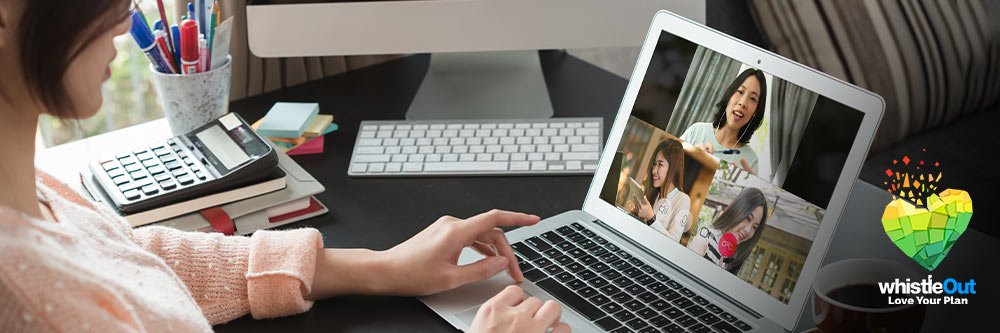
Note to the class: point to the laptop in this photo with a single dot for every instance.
(736, 233)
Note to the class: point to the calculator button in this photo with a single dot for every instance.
(127, 161)
(110, 165)
(157, 170)
(172, 165)
(150, 189)
(150, 163)
(144, 155)
(133, 168)
(167, 158)
(185, 179)
(161, 177)
(120, 179)
(131, 194)
(115, 172)
(138, 175)
(178, 172)
(187, 160)
(199, 174)
(168, 184)
(157, 146)
(182, 154)
(161, 151)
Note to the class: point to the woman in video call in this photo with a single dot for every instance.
(739, 114)
(68, 264)
(670, 212)
(744, 218)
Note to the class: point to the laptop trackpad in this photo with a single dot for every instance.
(468, 315)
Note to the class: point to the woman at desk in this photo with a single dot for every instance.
(744, 218)
(670, 212)
(69, 265)
(739, 114)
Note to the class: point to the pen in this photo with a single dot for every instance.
(161, 41)
(189, 46)
(199, 11)
(170, 38)
(176, 33)
(147, 43)
(191, 11)
(730, 151)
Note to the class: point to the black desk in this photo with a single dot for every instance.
(380, 213)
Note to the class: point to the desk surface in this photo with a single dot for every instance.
(379, 213)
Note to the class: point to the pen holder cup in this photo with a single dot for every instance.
(192, 100)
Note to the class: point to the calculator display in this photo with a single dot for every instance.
(222, 146)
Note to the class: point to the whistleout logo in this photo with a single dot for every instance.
(927, 291)
(926, 233)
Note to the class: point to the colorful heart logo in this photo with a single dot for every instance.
(927, 234)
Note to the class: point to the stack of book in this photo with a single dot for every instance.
(296, 128)
(285, 197)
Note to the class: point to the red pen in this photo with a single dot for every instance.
(189, 46)
(161, 40)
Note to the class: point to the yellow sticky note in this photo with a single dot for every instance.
(319, 123)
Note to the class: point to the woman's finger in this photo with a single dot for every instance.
(483, 249)
(496, 218)
(499, 241)
(560, 327)
(510, 296)
(530, 305)
(548, 315)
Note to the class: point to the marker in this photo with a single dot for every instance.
(147, 43)
(175, 32)
(161, 42)
(199, 12)
(191, 11)
(170, 37)
(189, 47)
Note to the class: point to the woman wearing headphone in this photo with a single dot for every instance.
(670, 212)
(739, 114)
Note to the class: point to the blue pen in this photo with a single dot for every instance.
(730, 151)
(199, 12)
(175, 32)
(147, 43)
(191, 11)
(157, 25)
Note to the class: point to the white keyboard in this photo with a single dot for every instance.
(477, 147)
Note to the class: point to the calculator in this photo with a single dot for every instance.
(221, 155)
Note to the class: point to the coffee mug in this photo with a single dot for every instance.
(846, 298)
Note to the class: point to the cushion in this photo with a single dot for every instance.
(932, 61)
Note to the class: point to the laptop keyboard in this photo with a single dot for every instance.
(613, 289)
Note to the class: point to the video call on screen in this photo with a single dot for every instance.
(731, 162)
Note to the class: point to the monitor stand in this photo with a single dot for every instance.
(482, 85)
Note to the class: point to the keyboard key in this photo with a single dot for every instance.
(647, 313)
(587, 292)
(673, 313)
(576, 253)
(713, 308)
(566, 246)
(534, 275)
(588, 260)
(636, 323)
(634, 305)
(611, 307)
(587, 274)
(564, 230)
(575, 268)
(598, 282)
(632, 272)
(576, 284)
(525, 251)
(564, 260)
(538, 243)
(726, 327)
(696, 310)
(700, 300)
(741, 325)
(622, 282)
(673, 328)
(668, 294)
(553, 238)
(657, 287)
(635, 289)
(686, 292)
(648, 297)
(570, 298)
(599, 299)
(542, 262)
(645, 280)
(709, 318)
(608, 323)
(553, 270)
(610, 290)
(683, 303)
(661, 276)
(686, 321)
(660, 321)
(624, 315)
(564, 276)
(659, 305)
(673, 284)
(699, 328)
(599, 267)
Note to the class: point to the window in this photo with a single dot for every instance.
(129, 97)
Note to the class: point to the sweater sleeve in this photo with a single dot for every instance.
(268, 274)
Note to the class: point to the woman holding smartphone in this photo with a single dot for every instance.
(745, 218)
(69, 265)
(670, 212)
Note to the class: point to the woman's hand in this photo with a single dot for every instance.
(746, 166)
(707, 147)
(425, 264)
(510, 311)
(645, 210)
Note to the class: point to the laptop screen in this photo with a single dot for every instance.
(735, 164)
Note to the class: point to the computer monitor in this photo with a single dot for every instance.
(484, 62)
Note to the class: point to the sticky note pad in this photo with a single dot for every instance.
(288, 120)
(318, 124)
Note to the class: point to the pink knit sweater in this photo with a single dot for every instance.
(90, 271)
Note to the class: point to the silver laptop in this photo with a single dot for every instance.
(733, 235)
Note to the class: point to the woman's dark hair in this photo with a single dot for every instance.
(52, 34)
(746, 132)
(739, 210)
(674, 152)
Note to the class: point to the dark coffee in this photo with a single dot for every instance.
(861, 295)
